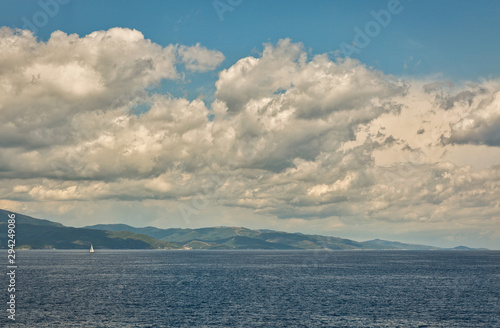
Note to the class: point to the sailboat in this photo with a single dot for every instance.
(91, 249)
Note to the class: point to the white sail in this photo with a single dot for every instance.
(91, 248)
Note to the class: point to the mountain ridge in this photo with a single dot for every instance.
(195, 239)
(32, 233)
(35, 233)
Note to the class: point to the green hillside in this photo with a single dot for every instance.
(39, 234)
(243, 238)
(33, 233)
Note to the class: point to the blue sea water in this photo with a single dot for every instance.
(256, 289)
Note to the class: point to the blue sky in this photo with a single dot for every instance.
(247, 113)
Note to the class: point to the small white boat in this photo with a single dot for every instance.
(92, 249)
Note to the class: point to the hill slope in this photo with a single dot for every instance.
(243, 238)
(24, 219)
(38, 234)
(384, 244)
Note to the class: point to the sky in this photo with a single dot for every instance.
(362, 120)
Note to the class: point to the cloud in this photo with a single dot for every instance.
(49, 84)
(10, 205)
(289, 138)
(314, 88)
(481, 125)
(44, 85)
(199, 58)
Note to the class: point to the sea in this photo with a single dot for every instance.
(216, 288)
